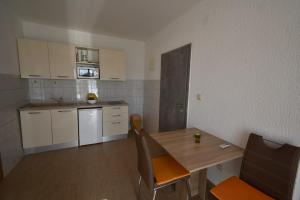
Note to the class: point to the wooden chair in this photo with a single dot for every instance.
(266, 173)
(158, 172)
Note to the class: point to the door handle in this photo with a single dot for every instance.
(180, 107)
(64, 111)
(34, 113)
(34, 75)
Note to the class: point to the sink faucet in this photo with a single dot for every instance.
(57, 100)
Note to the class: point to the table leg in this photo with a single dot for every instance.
(198, 185)
(182, 191)
(202, 184)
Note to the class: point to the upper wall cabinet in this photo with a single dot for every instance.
(62, 60)
(50, 60)
(112, 65)
(34, 60)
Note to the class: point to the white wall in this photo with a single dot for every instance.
(246, 65)
(135, 50)
(10, 29)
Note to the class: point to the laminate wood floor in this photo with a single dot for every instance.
(95, 172)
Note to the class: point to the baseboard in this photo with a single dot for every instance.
(51, 147)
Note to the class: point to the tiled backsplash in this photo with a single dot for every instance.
(13, 93)
(131, 91)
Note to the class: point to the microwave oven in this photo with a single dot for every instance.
(87, 72)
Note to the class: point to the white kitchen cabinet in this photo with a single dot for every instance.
(113, 110)
(111, 117)
(112, 65)
(36, 128)
(33, 57)
(51, 60)
(62, 60)
(115, 128)
(64, 125)
(115, 120)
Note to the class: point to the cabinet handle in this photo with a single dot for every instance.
(34, 75)
(34, 113)
(117, 108)
(116, 122)
(62, 111)
(114, 78)
(62, 76)
(116, 115)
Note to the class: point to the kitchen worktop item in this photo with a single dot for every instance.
(92, 101)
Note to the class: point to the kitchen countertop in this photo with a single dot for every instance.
(68, 105)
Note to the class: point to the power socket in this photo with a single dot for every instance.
(199, 97)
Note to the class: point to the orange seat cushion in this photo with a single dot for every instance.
(236, 189)
(166, 169)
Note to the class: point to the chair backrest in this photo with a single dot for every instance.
(271, 170)
(144, 159)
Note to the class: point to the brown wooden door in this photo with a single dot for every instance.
(175, 68)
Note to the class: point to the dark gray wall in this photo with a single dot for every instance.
(13, 93)
(13, 90)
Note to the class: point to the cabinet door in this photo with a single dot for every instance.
(112, 65)
(33, 56)
(62, 61)
(36, 128)
(115, 128)
(64, 125)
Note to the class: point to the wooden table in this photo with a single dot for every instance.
(195, 157)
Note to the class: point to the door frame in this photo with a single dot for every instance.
(1, 170)
(187, 85)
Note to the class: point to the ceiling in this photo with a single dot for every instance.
(134, 19)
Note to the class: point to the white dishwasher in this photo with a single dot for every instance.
(90, 126)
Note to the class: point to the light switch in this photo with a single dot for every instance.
(152, 64)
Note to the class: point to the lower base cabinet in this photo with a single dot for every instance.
(115, 128)
(42, 128)
(115, 120)
(36, 128)
(64, 125)
(47, 127)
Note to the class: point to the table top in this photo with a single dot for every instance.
(180, 144)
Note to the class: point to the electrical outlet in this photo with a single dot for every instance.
(220, 167)
(198, 97)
